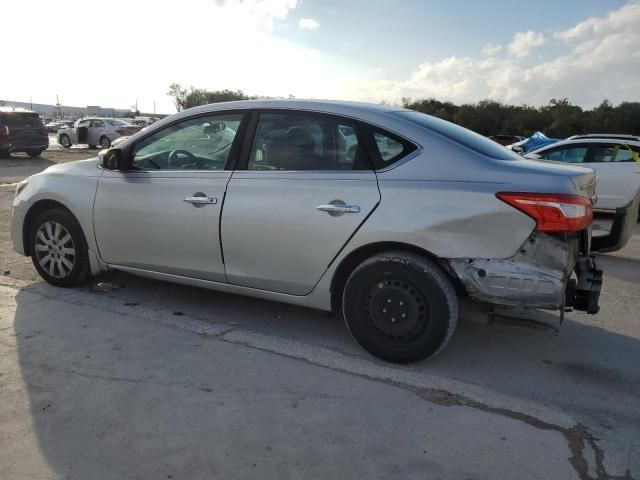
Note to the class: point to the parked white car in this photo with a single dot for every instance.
(616, 161)
(95, 131)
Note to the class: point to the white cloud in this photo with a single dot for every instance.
(599, 58)
(491, 49)
(524, 42)
(308, 24)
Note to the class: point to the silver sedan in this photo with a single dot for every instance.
(389, 216)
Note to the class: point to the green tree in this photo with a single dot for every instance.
(187, 98)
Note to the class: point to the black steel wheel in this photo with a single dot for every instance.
(400, 307)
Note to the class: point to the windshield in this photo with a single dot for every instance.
(461, 135)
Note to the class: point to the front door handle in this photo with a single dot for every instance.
(200, 200)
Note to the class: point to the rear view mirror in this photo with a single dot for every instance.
(111, 159)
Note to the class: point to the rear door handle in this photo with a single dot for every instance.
(339, 209)
(200, 201)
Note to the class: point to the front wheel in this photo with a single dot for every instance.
(400, 307)
(58, 248)
(65, 141)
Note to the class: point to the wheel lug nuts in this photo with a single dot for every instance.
(404, 315)
(388, 300)
(393, 320)
(384, 310)
(401, 303)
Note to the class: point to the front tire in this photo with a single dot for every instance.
(400, 307)
(58, 248)
(65, 141)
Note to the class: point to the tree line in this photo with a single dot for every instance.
(560, 118)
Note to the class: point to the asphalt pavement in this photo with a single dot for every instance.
(135, 378)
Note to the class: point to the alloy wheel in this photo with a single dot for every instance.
(54, 249)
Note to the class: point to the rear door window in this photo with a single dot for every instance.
(612, 153)
(20, 120)
(296, 141)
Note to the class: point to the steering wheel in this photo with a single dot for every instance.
(176, 153)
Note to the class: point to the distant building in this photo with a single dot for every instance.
(50, 112)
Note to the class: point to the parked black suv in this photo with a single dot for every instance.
(22, 131)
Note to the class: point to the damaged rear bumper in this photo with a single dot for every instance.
(538, 276)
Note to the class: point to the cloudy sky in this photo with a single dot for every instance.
(112, 53)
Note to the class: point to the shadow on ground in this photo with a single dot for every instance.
(583, 369)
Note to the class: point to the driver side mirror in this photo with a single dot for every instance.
(112, 159)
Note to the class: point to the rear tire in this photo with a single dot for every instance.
(400, 307)
(58, 248)
(65, 141)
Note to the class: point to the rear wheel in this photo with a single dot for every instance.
(105, 142)
(65, 141)
(59, 249)
(400, 307)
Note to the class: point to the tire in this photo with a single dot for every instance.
(105, 142)
(400, 307)
(34, 153)
(65, 141)
(70, 263)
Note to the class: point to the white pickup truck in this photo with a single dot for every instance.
(95, 131)
(616, 161)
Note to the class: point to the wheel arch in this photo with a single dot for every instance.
(360, 254)
(35, 210)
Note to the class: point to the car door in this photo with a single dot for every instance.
(163, 213)
(303, 188)
(618, 173)
(82, 131)
(96, 128)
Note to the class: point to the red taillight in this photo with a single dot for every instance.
(553, 212)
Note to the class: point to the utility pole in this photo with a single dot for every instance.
(154, 107)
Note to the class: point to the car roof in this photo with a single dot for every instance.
(16, 109)
(588, 141)
(326, 106)
(620, 136)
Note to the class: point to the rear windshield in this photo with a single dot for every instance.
(461, 135)
(19, 119)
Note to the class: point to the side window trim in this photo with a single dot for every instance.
(232, 159)
(252, 128)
